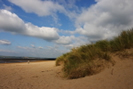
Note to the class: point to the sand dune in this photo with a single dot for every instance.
(45, 75)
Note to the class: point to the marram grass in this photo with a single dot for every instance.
(92, 58)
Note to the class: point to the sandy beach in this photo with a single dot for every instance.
(45, 75)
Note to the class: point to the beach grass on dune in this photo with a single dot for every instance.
(92, 58)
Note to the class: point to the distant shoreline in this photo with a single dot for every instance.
(23, 60)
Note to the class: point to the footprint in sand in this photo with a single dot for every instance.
(34, 76)
(47, 71)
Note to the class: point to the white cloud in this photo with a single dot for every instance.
(51, 51)
(10, 22)
(78, 41)
(42, 8)
(66, 32)
(7, 51)
(5, 42)
(65, 40)
(21, 47)
(7, 7)
(40, 47)
(48, 7)
(68, 42)
(32, 48)
(105, 19)
(46, 33)
(32, 45)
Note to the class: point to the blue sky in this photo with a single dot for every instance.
(50, 28)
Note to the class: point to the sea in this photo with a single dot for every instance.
(17, 61)
(23, 60)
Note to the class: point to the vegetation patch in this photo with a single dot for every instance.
(92, 58)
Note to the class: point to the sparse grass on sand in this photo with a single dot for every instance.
(92, 58)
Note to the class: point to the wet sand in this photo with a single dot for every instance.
(45, 75)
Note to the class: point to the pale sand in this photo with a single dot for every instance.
(45, 75)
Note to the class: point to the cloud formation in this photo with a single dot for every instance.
(105, 19)
(5, 42)
(7, 7)
(48, 7)
(40, 51)
(10, 22)
(6, 51)
(41, 8)
(40, 47)
(65, 40)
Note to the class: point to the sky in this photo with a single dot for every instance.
(50, 28)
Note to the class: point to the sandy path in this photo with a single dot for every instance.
(44, 75)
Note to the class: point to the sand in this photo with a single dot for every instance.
(45, 75)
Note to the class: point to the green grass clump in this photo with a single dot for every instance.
(92, 58)
(123, 41)
(103, 45)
